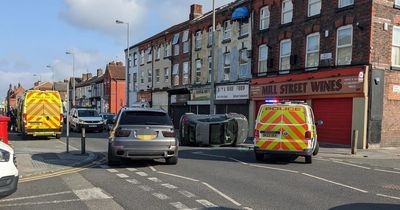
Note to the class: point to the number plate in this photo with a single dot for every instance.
(270, 134)
(92, 126)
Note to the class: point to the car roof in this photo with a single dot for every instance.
(143, 109)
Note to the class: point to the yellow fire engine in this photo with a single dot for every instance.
(40, 113)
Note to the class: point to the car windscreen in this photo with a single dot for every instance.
(88, 113)
(144, 118)
(108, 116)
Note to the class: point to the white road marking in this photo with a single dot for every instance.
(133, 181)
(154, 179)
(179, 205)
(40, 203)
(112, 170)
(122, 175)
(131, 169)
(272, 168)
(68, 145)
(152, 168)
(336, 183)
(397, 169)
(395, 172)
(187, 194)
(222, 194)
(206, 203)
(388, 196)
(161, 196)
(238, 161)
(349, 164)
(141, 173)
(145, 188)
(91, 194)
(183, 177)
(247, 208)
(36, 196)
(169, 186)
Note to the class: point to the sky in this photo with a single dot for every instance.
(35, 34)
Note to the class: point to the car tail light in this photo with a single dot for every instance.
(307, 135)
(24, 115)
(61, 118)
(257, 133)
(122, 133)
(168, 133)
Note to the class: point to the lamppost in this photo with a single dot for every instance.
(212, 91)
(127, 62)
(52, 74)
(73, 75)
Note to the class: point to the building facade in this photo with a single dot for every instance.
(114, 87)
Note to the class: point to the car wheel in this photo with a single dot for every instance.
(58, 136)
(259, 157)
(308, 159)
(316, 150)
(171, 160)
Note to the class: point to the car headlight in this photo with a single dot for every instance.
(4, 156)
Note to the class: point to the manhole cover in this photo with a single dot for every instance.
(392, 187)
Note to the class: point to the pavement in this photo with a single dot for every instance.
(42, 156)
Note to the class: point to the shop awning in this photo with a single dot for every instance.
(240, 13)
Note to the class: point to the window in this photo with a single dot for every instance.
(185, 41)
(209, 68)
(167, 50)
(142, 57)
(135, 59)
(149, 75)
(142, 76)
(176, 49)
(312, 50)
(158, 54)
(262, 58)
(227, 65)
(198, 40)
(210, 36)
(166, 74)
(158, 75)
(198, 70)
(285, 51)
(185, 80)
(397, 3)
(287, 11)
(243, 62)
(243, 28)
(175, 43)
(314, 7)
(175, 74)
(264, 18)
(149, 55)
(396, 47)
(227, 30)
(344, 42)
(134, 81)
(345, 3)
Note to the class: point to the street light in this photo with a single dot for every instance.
(212, 92)
(52, 74)
(73, 75)
(127, 62)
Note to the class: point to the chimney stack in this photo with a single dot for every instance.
(99, 72)
(89, 76)
(84, 77)
(196, 10)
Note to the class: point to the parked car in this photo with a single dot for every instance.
(142, 133)
(85, 118)
(108, 120)
(8, 171)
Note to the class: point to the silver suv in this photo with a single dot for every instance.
(142, 133)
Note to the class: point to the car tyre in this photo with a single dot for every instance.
(259, 157)
(171, 160)
(58, 136)
(308, 159)
(316, 150)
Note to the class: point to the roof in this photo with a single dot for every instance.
(116, 70)
(60, 86)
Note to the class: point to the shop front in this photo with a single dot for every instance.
(144, 96)
(200, 100)
(160, 100)
(338, 98)
(178, 104)
(232, 98)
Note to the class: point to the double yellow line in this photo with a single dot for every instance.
(59, 173)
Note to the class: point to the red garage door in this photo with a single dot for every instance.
(337, 115)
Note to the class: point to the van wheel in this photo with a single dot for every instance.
(58, 136)
(172, 160)
(308, 159)
(316, 150)
(259, 157)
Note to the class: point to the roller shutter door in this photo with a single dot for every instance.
(337, 117)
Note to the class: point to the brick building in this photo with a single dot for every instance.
(336, 56)
(114, 87)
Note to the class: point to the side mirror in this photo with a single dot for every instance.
(319, 122)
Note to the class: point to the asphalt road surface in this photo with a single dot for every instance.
(211, 178)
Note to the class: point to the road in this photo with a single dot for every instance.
(212, 178)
